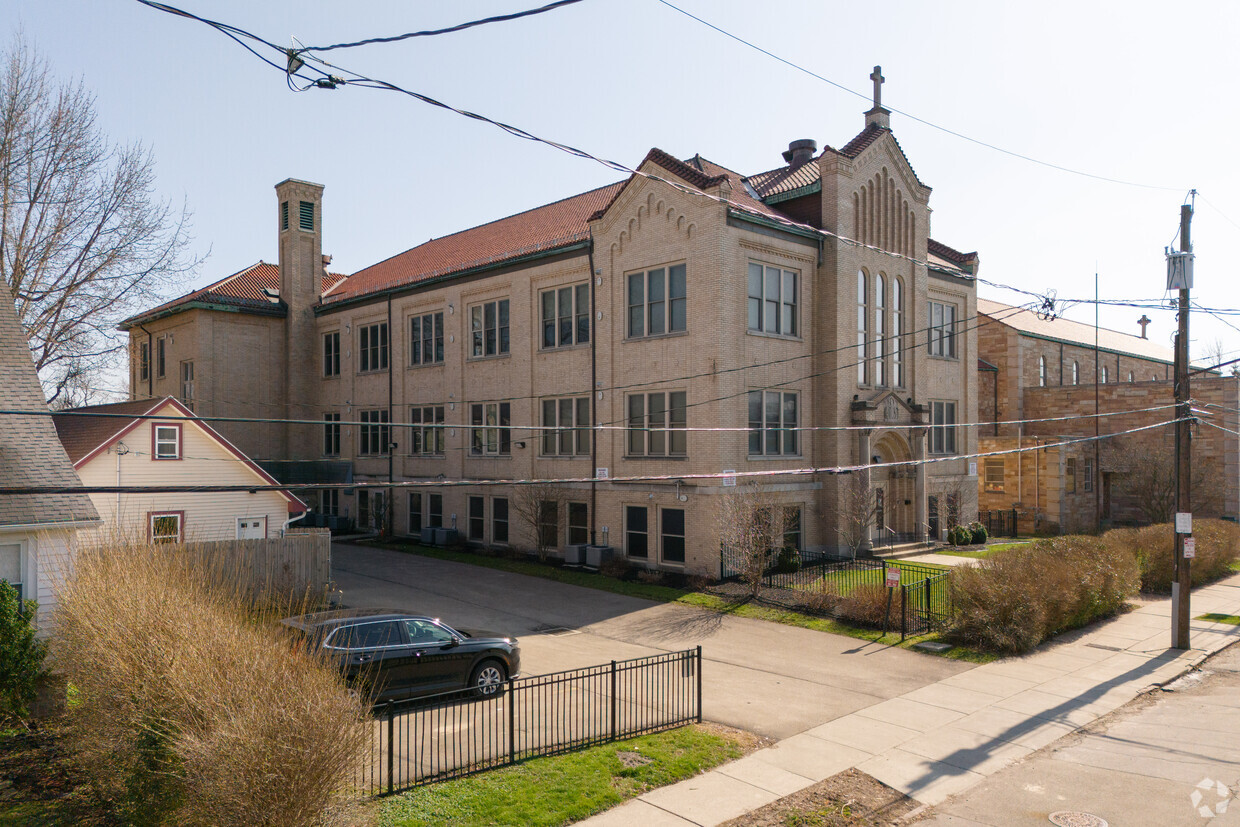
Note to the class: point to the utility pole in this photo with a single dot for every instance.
(1182, 585)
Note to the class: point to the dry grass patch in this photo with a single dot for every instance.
(1218, 548)
(194, 709)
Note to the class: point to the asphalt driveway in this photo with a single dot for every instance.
(764, 677)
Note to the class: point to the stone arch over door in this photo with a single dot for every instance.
(898, 485)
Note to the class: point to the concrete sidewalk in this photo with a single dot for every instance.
(941, 739)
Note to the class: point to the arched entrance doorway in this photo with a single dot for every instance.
(895, 490)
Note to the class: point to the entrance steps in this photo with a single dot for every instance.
(901, 550)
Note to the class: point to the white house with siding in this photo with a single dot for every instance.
(159, 442)
(36, 530)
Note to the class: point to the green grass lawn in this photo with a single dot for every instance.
(844, 581)
(702, 600)
(1235, 566)
(981, 553)
(551, 791)
(1220, 618)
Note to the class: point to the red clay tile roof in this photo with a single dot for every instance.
(784, 179)
(82, 434)
(538, 230)
(865, 138)
(242, 289)
(938, 248)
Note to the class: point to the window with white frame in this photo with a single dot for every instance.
(499, 519)
(375, 435)
(426, 339)
(657, 302)
(1041, 371)
(656, 424)
(426, 437)
(943, 427)
(773, 420)
(994, 473)
(1131, 377)
(897, 332)
(863, 314)
(880, 344)
(165, 526)
(1104, 375)
(565, 316)
(772, 300)
(331, 434)
(488, 327)
(372, 347)
(1076, 373)
(943, 330)
(11, 566)
(331, 353)
(489, 433)
(167, 441)
(566, 426)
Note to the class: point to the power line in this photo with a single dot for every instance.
(463, 483)
(912, 117)
(429, 32)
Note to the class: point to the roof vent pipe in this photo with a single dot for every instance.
(800, 151)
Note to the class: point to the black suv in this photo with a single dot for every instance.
(391, 654)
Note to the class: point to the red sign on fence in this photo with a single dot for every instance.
(893, 576)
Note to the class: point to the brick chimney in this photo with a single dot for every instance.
(299, 213)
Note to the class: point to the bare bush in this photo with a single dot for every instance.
(855, 512)
(538, 508)
(752, 526)
(193, 709)
(1217, 547)
(1147, 480)
(866, 605)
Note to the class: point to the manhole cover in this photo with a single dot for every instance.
(1072, 818)
(546, 629)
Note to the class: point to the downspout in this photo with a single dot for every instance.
(150, 367)
(1020, 464)
(388, 505)
(593, 397)
(996, 403)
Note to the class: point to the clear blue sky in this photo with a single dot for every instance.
(1139, 91)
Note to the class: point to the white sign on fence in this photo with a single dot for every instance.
(1190, 548)
(893, 576)
(1183, 522)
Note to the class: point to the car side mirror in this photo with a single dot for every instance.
(452, 644)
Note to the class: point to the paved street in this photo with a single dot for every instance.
(1139, 766)
(771, 679)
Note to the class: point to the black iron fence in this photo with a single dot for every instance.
(444, 736)
(999, 523)
(925, 605)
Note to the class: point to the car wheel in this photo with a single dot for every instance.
(488, 678)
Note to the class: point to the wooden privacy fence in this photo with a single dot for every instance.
(296, 566)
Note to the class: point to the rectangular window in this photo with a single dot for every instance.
(11, 566)
(166, 527)
(329, 502)
(167, 442)
(672, 536)
(566, 427)
(488, 327)
(331, 434)
(994, 473)
(657, 424)
(489, 433)
(415, 512)
(792, 527)
(434, 510)
(772, 300)
(1089, 474)
(548, 523)
(187, 384)
(283, 215)
(578, 524)
(943, 330)
(943, 427)
(636, 532)
(477, 519)
(565, 316)
(772, 424)
(426, 435)
(499, 519)
(426, 339)
(161, 356)
(372, 348)
(375, 435)
(144, 361)
(305, 216)
(331, 353)
(657, 302)
(1069, 475)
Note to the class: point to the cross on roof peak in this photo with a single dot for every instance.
(877, 77)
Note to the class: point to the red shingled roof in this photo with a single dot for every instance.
(244, 288)
(784, 179)
(538, 230)
(938, 248)
(865, 138)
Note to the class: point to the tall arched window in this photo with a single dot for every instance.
(1041, 371)
(1131, 377)
(862, 312)
(880, 349)
(1104, 375)
(1076, 373)
(897, 331)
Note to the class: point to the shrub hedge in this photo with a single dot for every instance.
(1011, 602)
(1217, 542)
